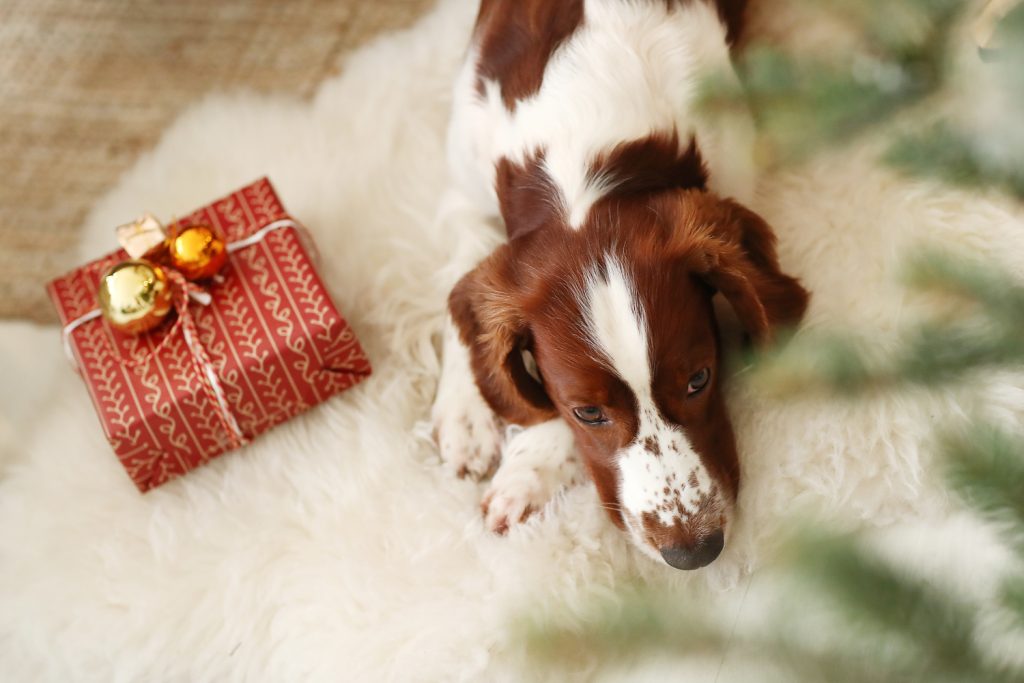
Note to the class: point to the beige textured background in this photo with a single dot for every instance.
(86, 85)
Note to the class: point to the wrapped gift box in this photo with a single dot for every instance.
(271, 334)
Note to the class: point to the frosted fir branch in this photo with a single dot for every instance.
(1012, 596)
(640, 622)
(898, 27)
(901, 628)
(929, 354)
(933, 627)
(803, 106)
(636, 620)
(985, 466)
(987, 283)
(987, 149)
(946, 154)
(896, 627)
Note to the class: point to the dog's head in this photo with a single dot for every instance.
(611, 326)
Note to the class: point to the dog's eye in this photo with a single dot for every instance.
(698, 381)
(591, 415)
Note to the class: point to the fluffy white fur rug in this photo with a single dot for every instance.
(336, 547)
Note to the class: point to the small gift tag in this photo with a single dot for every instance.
(141, 236)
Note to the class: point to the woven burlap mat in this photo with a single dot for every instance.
(86, 85)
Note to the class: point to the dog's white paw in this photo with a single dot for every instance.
(538, 462)
(468, 437)
(511, 500)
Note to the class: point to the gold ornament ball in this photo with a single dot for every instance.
(135, 296)
(197, 251)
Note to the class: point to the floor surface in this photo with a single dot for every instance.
(88, 85)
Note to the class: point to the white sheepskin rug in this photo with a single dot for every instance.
(337, 547)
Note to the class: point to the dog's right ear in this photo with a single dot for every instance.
(732, 249)
(486, 307)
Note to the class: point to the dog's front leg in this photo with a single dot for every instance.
(537, 462)
(467, 430)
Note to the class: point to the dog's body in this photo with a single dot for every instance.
(575, 121)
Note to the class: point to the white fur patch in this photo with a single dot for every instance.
(659, 471)
(616, 326)
(631, 69)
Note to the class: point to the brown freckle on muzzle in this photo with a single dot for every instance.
(652, 446)
(694, 538)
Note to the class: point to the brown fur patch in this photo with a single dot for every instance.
(526, 196)
(651, 164)
(732, 14)
(516, 38)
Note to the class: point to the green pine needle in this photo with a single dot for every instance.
(906, 26)
(890, 605)
(929, 354)
(801, 106)
(1013, 598)
(636, 620)
(986, 467)
(986, 283)
(947, 154)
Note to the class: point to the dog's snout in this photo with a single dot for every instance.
(695, 555)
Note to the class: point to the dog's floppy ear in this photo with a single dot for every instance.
(735, 254)
(486, 306)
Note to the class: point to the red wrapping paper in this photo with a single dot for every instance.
(277, 344)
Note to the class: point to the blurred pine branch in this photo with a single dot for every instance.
(894, 626)
(986, 467)
(802, 105)
(931, 353)
(951, 156)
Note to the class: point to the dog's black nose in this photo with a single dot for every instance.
(697, 555)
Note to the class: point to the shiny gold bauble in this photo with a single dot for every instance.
(135, 296)
(196, 251)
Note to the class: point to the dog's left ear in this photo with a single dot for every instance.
(736, 256)
(486, 308)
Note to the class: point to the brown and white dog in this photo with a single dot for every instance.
(592, 328)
